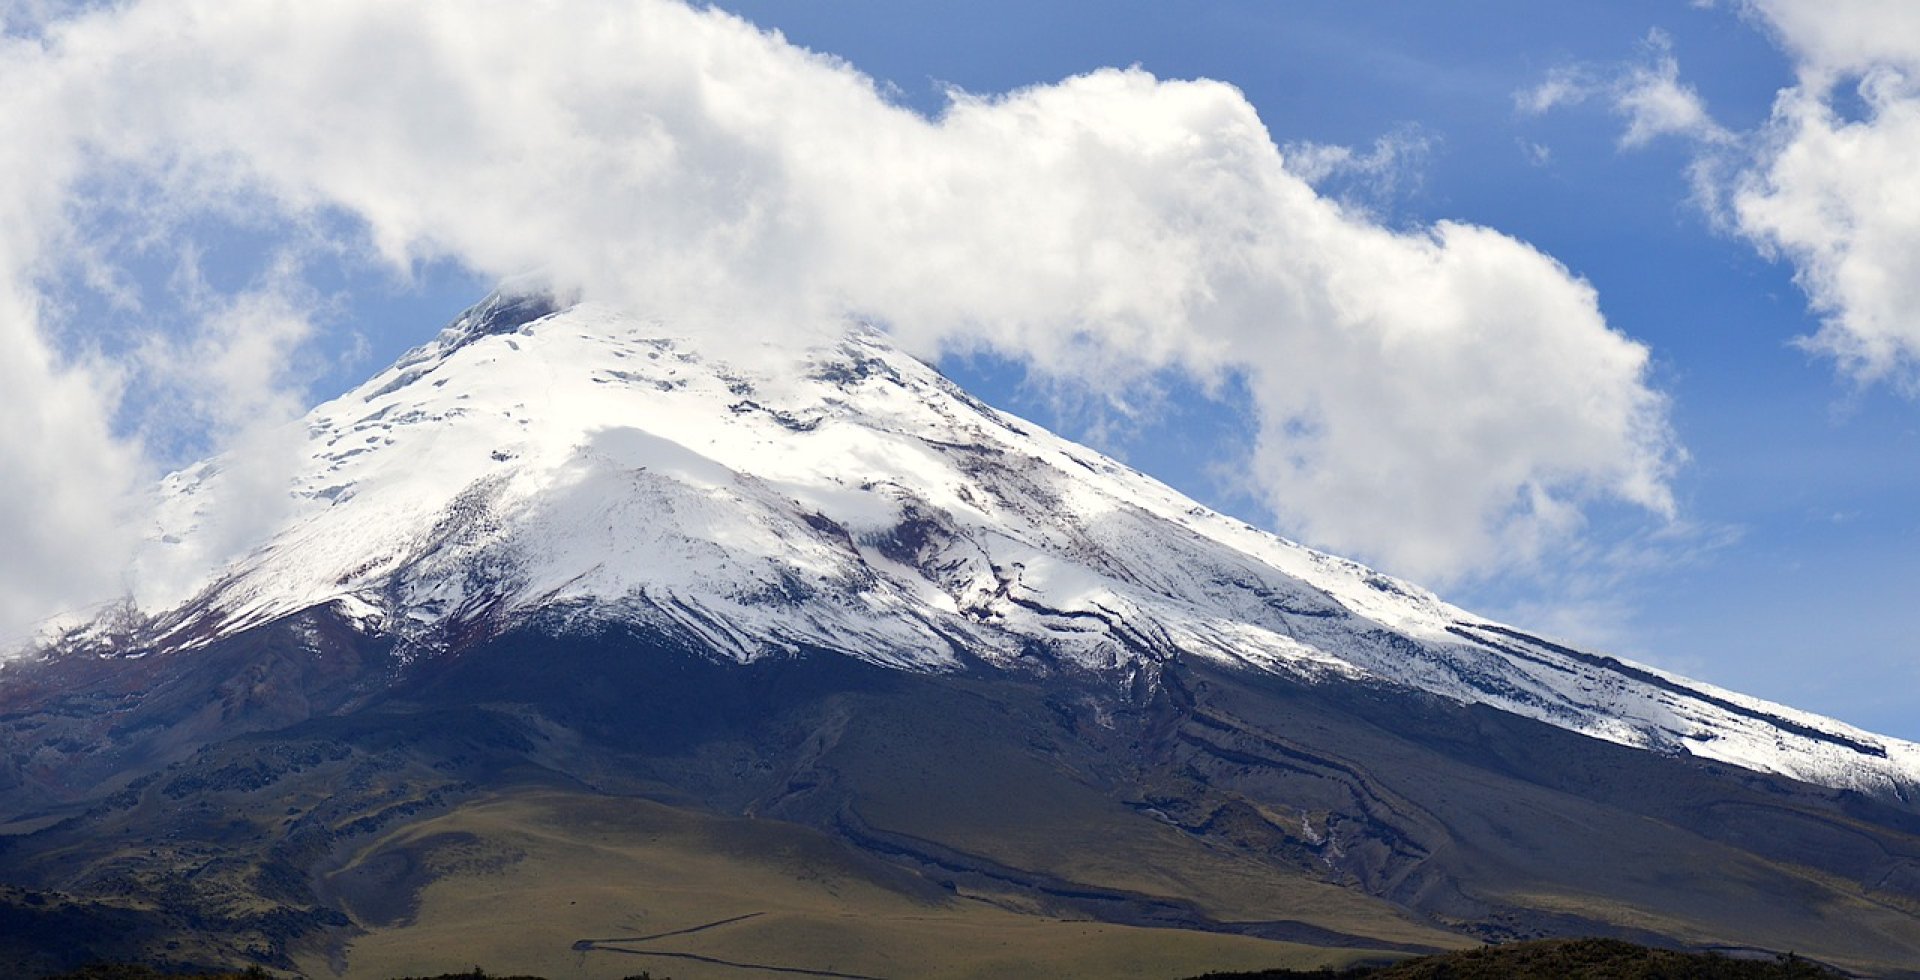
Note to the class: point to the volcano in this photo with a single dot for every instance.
(580, 645)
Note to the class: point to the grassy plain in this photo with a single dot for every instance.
(568, 886)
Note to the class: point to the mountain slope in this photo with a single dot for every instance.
(852, 499)
(467, 803)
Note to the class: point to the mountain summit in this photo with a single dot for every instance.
(564, 603)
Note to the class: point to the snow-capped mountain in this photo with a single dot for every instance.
(587, 465)
(569, 624)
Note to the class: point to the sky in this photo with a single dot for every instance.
(1597, 318)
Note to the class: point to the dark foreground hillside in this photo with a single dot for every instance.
(1562, 959)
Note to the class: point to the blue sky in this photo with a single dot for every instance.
(1741, 509)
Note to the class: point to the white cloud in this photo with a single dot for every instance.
(65, 479)
(1392, 167)
(64, 496)
(1841, 200)
(1832, 38)
(1839, 197)
(234, 371)
(1647, 93)
(1656, 103)
(1443, 400)
(1566, 85)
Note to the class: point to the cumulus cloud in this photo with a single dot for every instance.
(1841, 200)
(1443, 400)
(1834, 38)
(1838, 194)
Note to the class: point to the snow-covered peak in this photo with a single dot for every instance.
(590, 465)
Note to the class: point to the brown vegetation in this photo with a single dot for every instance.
(1563, 959)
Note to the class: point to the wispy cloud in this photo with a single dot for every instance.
(1566, 85)
(1656, 103)
(1371, 179)
(1647, 93)
(1594, 597)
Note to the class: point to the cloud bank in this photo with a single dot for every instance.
(1443, 400)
